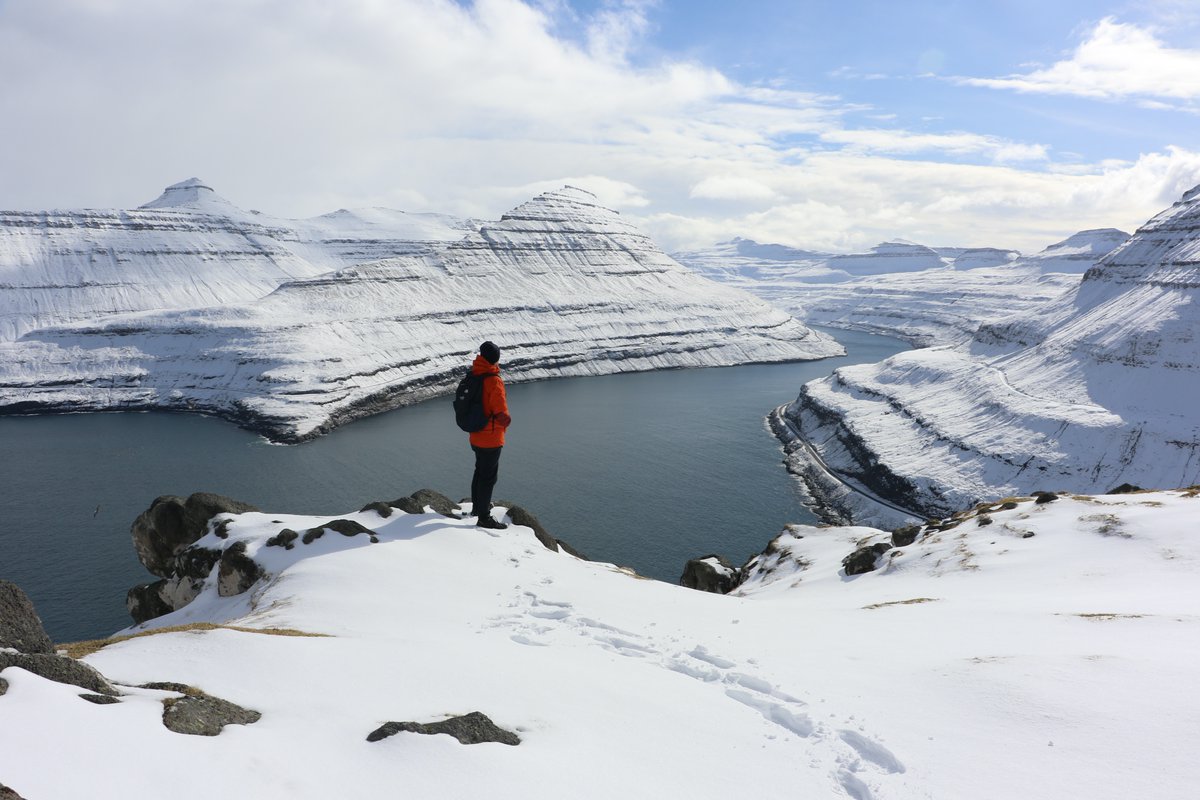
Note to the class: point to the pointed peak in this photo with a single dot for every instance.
(1191, 194)
(192, 194)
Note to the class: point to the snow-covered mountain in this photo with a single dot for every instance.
(950, 293)
(189, 247)
(1095, 389)
(1039, 651)
(565, 286)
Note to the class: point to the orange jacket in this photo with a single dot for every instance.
(495, 405)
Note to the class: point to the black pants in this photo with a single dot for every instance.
(487, 467)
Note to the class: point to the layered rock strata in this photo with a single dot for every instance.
(565, 286)
(1095, 390)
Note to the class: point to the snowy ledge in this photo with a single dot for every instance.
(1026, 640)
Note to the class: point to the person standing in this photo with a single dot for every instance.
(488, 441)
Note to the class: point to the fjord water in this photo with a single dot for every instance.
(644, 470)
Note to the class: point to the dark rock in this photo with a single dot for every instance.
(3, 686)
(312, 534)
(221, 531)
(146, 601)
(346, 527)
(1126, 488)
(902, 537)
(204, 715)
(379, 507)
(520, 516)
(100, 699)
(20, 626)
(8, 794)
(702, 574)
(568, 549)
(170, 686)
(1009, 506)
(172, 523)
(59, 669)
(284, 538)
(415, 503)
(237, 572)
(1041, 498)
(863, 559)
(374, 540)
(195, 562)
(472, 728)
(1027, 535)
(983, 520)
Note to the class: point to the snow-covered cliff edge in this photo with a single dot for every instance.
(565, 286)
(1059, 637)
(1093, 390)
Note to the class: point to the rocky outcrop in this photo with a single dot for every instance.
(416, 502)
(164, 537)
(711, 573)
(472, 728)
(25, 644)
(9, 794)
(566, 286)
(171, 524)
(864, 559)
(200, 714)
(20, 626)
(521, 516)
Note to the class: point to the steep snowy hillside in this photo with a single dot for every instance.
(925, 307)
(189, 247)
(565, 286)
(1095, 389)
(1035, 651)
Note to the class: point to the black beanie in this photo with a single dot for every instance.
(489, 351)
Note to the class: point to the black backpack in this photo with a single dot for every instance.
(468, 403)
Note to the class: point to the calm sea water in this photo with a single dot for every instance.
(645, 470)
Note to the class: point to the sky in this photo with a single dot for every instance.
(830, 126)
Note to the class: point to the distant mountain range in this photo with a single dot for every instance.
(291, 327)
(926, 295)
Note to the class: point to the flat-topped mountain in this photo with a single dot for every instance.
(1095, 389)
(566, 286)
(188, 247)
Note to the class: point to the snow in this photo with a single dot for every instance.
(566, 286)
(976, 662)
(924, 295)
(1083, 393)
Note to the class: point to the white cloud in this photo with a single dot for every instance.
(731, 187)
(300, 108)
(1116, 61)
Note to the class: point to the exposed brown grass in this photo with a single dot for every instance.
(909, 602)
(86, 648)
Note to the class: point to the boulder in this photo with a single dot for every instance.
(204, 715)
(171, 524)
(8, 794)
(416, 502)
(3, 686)
(711, 573)
(20, 626)
(903, 537)
(59, 669)
(237, 571)
(863, 559)
(379, 507)
(146, 601)
(1041, 498)
(472, 728)
(1125, 488)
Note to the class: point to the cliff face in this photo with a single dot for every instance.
(1093, 390)
(565, 286)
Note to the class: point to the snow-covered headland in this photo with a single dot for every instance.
(921, 294)
(1091, 390)
(1027, 649)
(285, 346)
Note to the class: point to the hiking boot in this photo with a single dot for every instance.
(486, 521)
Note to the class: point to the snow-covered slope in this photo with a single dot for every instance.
(1047, 655)
(565, 286)
(189, 247)
(1095, 389)
(944, 303)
